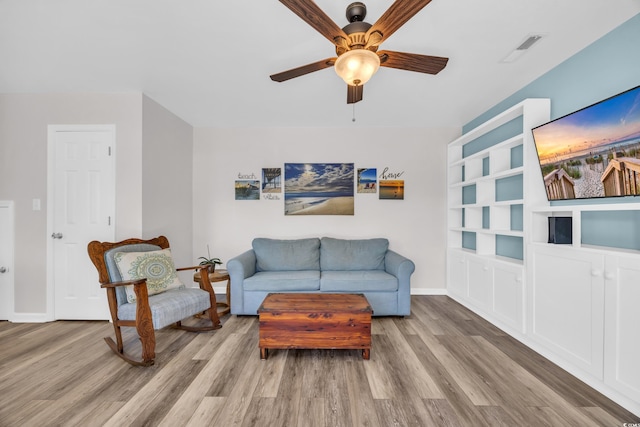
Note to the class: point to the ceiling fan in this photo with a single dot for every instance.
(357, 44)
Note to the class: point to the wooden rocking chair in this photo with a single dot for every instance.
(148, 312)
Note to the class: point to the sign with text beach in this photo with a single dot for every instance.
(318, 189)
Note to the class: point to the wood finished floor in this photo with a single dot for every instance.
(441, 366)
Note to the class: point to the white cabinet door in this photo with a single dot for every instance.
(566, 304)
(508, 295)
(457, 283)
(480, 278)
(622, 339)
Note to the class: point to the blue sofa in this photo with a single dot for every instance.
(322, 265)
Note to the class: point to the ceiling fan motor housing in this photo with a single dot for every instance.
(356, 11)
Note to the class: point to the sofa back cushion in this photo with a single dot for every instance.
(339, 254)
(287, 255)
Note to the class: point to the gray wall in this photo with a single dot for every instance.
(142, 186)
(167, 180)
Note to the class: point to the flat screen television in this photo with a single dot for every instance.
(593, 152)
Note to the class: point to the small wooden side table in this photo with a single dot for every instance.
(219, 276)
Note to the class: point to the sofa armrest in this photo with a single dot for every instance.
(239, 268)
(402, 268)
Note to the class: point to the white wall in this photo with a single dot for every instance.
(23, 173)
(414, 226)
(167, 155)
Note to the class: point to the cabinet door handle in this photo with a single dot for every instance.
(609, 276)
(518, 279)
(596, 273)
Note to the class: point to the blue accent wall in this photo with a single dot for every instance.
(605, 68)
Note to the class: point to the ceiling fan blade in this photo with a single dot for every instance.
(412, 61)
(354, 93)
(310, 13)
(396, 16)
(301, 71)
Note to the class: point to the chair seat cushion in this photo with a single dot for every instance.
(358, 281)
(283, 281)
(170, 306)
(155, 266)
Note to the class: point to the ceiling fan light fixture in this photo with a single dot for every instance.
(357, 66)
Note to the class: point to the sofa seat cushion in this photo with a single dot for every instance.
(170, 306)
(283, 281)
(354, 255)
(287, 255)
(358, 281)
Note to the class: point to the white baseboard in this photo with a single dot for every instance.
(29, 318)
(428, 291)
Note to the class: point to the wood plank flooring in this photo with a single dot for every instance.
(441, 366)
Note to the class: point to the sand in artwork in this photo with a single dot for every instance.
(332, 206)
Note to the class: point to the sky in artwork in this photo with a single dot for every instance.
(367, 175)
(308, 178)
(610, 121)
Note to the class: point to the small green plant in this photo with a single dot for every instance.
(210, 262)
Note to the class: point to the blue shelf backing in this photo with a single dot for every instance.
(486, 218)
(616, 229)
(517, 218)
(486, 170)
(517, 159)
(509, 188)
(469, 240)
(499, 134)
(509, 246)
(469, 195)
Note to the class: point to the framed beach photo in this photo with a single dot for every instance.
(367, 180)
(247, 189)
(271, 180)
(391, 189)
(318, 189)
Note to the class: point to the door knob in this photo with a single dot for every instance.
(57, 235)
(3, 269)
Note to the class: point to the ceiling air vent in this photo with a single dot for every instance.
(522, 48)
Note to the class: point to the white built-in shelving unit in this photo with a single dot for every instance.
(488, 193)
(574, 303)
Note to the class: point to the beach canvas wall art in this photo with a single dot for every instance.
(367, 180)
(271, 180)
(392, 189)
(318, 189)
(247, 189)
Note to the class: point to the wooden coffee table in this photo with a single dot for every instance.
(315, 320)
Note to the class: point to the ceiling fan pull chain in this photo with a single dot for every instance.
(354, 113)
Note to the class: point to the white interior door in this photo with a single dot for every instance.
(82, 207)
(6, 260)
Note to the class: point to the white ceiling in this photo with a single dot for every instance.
(209, 61)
